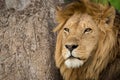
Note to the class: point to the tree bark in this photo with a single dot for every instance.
(27, 41)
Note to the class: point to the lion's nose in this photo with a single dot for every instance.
(71, 47)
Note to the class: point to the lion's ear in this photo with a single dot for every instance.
(63, 13)
(59, 19)
(109, 16)
(59, 14)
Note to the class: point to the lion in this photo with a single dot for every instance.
(87, 45)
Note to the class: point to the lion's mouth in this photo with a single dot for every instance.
(72, 57)
(74, 62)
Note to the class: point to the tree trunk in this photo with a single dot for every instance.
(27, 41)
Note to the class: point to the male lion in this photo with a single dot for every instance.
(86, 47)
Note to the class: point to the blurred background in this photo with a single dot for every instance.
(115, 3)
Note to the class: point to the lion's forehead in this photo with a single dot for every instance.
(80, 21)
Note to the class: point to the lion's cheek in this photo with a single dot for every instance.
(65, 53)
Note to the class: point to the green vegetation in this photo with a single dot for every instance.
(115, 3)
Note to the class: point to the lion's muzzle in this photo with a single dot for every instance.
(71, 47)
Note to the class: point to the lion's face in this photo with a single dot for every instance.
(80, 39)
(86, 40)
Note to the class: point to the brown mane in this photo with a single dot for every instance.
(105, 55)
(95, 10)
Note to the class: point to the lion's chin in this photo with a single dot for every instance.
(74, 63)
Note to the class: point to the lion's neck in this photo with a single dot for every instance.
(81, 73)
(86, 72)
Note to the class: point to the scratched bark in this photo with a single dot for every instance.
(26, 40)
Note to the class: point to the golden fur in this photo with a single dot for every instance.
(97, 46)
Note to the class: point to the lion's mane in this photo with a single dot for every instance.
(107, 50)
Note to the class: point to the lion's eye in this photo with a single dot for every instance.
(87, 30)
(66, 29)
